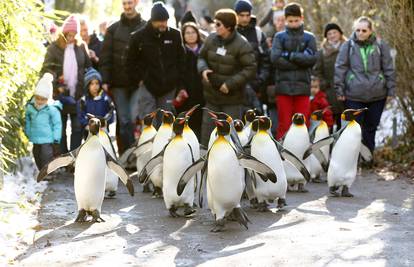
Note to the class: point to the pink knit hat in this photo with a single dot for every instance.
(71, 24)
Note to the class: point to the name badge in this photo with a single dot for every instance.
(221, 51)
(168, 41)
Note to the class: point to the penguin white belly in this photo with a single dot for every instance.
(177, 158)
(224, 179)
(192, 140)
(90, 175)
(296, 141)
(160, 141)
(343, 165)
(247, 130)
(213, 137)
(243, 138)
(265, 151)
(111, 183)
(147, 134)
(315, 167)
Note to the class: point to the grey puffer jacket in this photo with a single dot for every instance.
(364, 71)
(236, 67)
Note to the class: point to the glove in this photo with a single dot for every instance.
(180, 99)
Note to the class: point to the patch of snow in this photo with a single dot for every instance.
(20, 200)
(384, 131)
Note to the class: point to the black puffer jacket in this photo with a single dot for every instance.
(236, 68)
(158, 59)
(293, 56)
(114, 51)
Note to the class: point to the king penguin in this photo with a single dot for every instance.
(161, 139)
(249, 117)
(239, 127)
(344, 159)
(318, 130)
(224, 166)
(91, 162)
(297, 141)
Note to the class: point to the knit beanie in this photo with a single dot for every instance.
(293, 9)
(332, 26)
(159, 12)
(188, 17)
(92, 74)
(44, 87)
(227, 16)
(243, 6)
(71, 24)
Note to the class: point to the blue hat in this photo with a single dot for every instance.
(92, 74)
(243, 6)
(159, 12)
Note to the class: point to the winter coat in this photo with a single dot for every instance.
(325, 70)
(320, 101)
(96, 46)
(112, 63)
(236, 68)
(192, 80)
(158, 59)
(364, 71)
(100, 106)
(261, 51)
(293, 56)
(43, 126)
(53, 63)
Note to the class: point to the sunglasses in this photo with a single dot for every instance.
(361, 30)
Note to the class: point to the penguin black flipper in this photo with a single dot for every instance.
(200, 191)
(112, 145)
(365, 152)
(322, 160)
(142, 148)
(189, 173)
(123, 159)
(114, 166)
(62, 161)
(150, 166)
(250, 162)
(297, 163)
(318, 145)
(250, 180)
(312, 132)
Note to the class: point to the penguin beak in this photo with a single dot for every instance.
(261, 120)
(359, 111)
(212, 115)
(90, 116)
(154, 113)
(191, 111)
(219, 123)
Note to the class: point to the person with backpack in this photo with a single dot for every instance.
(246, 26)
(293, 56)
(365, 77)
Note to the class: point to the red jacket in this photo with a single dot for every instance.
(320, 102)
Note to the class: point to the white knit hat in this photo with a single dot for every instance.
(44, 87)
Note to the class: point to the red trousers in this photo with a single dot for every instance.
(287, 106)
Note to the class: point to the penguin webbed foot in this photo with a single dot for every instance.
(253, 203)
(262, 207)
(157, 192)
(281, 203)
(173, 212)
(188, 210)
(332, 191)
(302, 189)
(345, 192)
(219, 226)
(96, 217)
(81, 216)
(146, 188)
(111, 194)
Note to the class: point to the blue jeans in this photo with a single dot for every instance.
(122, 99)
(369, 120)
(76, 132)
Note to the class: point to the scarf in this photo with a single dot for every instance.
(70, 69)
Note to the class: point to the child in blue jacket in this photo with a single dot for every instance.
(43, 124)
(95, 102)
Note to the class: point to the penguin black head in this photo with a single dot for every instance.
(351, 114)
(223, 127)
(238, 125)
(264, 123)
(167, 117)
(94, 126)
(148, 119)
(255, 125)
(178, 126)
(249, 115)
(317, 115)
(219, 115)
(298, 119)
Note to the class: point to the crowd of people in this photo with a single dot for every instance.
(273, 66)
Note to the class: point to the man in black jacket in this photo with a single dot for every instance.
(114, 71)
(156, 57)
(246, 26)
